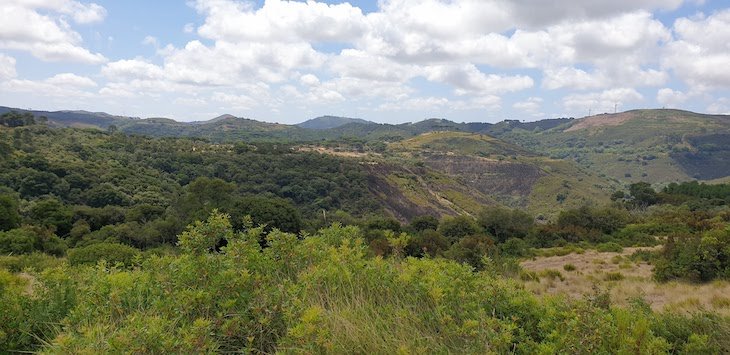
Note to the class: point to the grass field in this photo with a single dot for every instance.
(578, 275)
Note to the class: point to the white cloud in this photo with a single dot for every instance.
(238, 102)
(47, 36)
(81, 13)
(280, 21)
(69, 79)
(604, 101)
(532, 105)
(189, 28)
(670, 98)
(468, 79)
(701, 53)
(720, 107)
(150, 41)
(415, 104)
(7, 67)
(65, 85)
(309, 80)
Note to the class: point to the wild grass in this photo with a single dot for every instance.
(636, 281)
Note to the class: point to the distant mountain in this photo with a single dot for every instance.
(78, 119)
(327, 122)
(659, 146)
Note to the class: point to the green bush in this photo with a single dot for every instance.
(28, 239)
(322, 293)
(609, 247)
(697, 258)
(36, 261)
(110, 252)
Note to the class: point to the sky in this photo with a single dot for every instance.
(389, 61)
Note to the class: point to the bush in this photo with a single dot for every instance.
(455, 228)
(609, 247)
(28, 239)
(569, 267)
(110, 252)
(697, 258)
(36, 261)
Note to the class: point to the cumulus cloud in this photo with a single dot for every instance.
(604, 101)
(41, 28)
(532, 105)
(64, 85)
(405, 55)
(670, 98)
(701, 53)
(7, 67)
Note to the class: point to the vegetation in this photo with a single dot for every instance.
(297, 295)
(111, 243)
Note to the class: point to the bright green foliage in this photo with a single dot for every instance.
(317, 294)
(202, 237)
(27, 239)
(695, 257)
(110, 252)
(609, 247)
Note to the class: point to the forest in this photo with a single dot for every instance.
(118, 243)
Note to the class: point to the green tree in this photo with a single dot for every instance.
(455, 228)
(503, 223)
(273, 212)
(9, 216)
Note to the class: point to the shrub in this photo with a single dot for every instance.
(569, 267)
(36, 261)
(110, 252)
(28, 239)
(455, 228)
(609, 247)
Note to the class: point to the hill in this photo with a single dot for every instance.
(450, 173)
(78, 119)
(327, 122)
(658, 146)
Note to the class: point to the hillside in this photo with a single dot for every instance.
(658, 146)
(449, 173)
(77, 119)
(327, 122)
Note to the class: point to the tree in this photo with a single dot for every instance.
(274, 212)
(643, 194)
(422, 223)
(9, 216)
(503, 223)
(51, 212)
(202, 196)
(455, 228)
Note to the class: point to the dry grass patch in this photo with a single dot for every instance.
(625, 281)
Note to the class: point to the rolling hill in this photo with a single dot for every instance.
(327, 122)
(451, 173)
(658, 146)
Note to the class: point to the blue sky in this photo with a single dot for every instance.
(386, 61)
